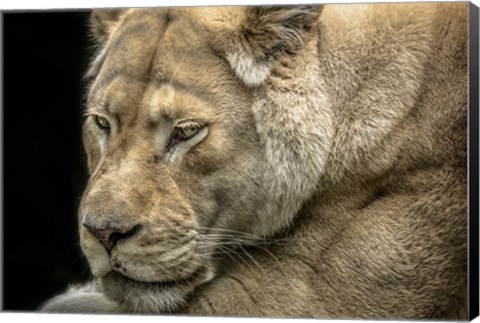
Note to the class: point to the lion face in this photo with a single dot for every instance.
(173, 157)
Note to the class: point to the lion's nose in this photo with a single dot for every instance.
(110, 234)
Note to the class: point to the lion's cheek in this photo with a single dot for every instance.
(96, 254)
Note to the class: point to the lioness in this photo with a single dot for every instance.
(301, 161)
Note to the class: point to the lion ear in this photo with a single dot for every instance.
(266, 32)
(103, 21)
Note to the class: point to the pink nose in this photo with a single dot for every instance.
(109, 235)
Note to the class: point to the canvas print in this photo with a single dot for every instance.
(296, 161)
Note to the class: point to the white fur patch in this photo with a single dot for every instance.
(97, 63)
(251, 72)
(102, 143)
(294, 120)
(162, 100)
(96, 254)
(85, 299)
(101, 139)
(209, 276)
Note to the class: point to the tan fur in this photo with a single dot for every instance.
(328, 177)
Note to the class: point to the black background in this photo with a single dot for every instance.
(45, 55)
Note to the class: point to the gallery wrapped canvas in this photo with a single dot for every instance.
(294, 161)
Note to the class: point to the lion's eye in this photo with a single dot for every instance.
(188, 131)
(102, 122)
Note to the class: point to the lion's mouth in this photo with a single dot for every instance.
(164, 284)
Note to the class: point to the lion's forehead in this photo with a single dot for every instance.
(155, 58)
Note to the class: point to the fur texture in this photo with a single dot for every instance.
(277, 161)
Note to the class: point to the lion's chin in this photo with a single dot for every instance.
(144, 297)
